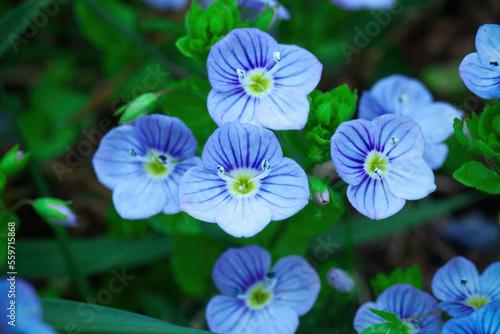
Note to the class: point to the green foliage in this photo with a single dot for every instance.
(65, 314)
(3, 181)
(12, 163)
(474, 174)
(141, 105)
(411, 275)
(180, 223)
(328, 111)
(393, 325)
(119, 228)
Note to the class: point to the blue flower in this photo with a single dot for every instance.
(406, 302)
(486, 320)
(280, 12)
(255, 80)
(460, 288)
(408, 97)
(143, 165)
(362, 4)
(340, 280)
(473, 231)
(382, 162)
(27, 308)
(257, 299)
(480, 70)
(245, 181)
(167, 4)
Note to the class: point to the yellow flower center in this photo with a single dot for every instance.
(477, 301)
(376, 164)
(259, 297)
(158, 167)
(260, 84)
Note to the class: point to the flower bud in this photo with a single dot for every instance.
(340, 280)
(142, 105)
(55, 211)
(13, 161)
(321, 198)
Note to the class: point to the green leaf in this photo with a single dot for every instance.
(180, 223)
(474, 174)
(142, 105)
(392, 326)
(317, 184)
(384, 328)
(69, 316)
(119, 228)
(412, 276)
(264, 20)
(3, 181)
(387, 316)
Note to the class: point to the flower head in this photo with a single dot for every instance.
(340, 280)
(460, 288)
(362, 4)
(473, 231)
(27, 311)
(143, 165)
(257, 299)
(244, 182)
(255, 80)
(382, 162)
(480, 70)
(406, 302)
(408, 97)
(55, 211)
(486, 320)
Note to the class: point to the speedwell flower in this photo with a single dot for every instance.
(20, 308)
(406, 302)
(403, 96)
(474, 231)
(143, 165)
(245, 182)
(460, 288)
(486, 320)
(255, 80)
(480, 70)
(382, 162)
(340, 280)
(257, 299)
(364, 4)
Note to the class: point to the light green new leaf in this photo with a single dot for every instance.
(412, 276)
(474, 174)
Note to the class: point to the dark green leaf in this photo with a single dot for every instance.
(474, 174)
(412, 276)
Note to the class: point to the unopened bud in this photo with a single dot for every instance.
(55, 211)
(340, 280)
(322, 198)
(13, 161)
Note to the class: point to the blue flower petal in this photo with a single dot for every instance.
(167, 135)
(350, 145)
(370, 107)
(285, 189)
(410, 177)
(435, 154)
(228, 315)
(455, 282)
(167, 4)
(274, 318)
(237, 269)
(298, 284)
(243, 49)
(462, 326)
(488, 318)
(233, 106)
(285, 108)
(456, 309)
(374, 199)
(489, 281)
(488, 46)
(482, 81)
(365, 317)
(112, 161)
(364, 4)
(298, 69)
(241, 146)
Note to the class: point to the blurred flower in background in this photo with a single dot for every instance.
(473, 231)
(168, 4)
(364, 4)
(340, 280)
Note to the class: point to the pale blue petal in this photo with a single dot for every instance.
(238, 269)
(489, 281)
(233, 106)
(408, 134)
(167, 4)
(410, 177)
(340, 280)
(448, 282)
(365, 317)
(462, 326)
(350, 145)
(435, 154)
(482, 81)
(140, 197)
(285, 189)
(488, 318)
(374, 199)
(243, 48)
(364, 4)
(112, 162)
(298, 69)
(166, 135)
(241, 146)
(298, 284)
(488, 46)
(284, 109)
(274, 318)
(456, 309)
(370, 107)
(228, 315)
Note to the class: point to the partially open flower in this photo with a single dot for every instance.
(56, 211)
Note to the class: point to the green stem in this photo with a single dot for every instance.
(349, 241)
(493, 165)
(135, 38)
(422, 315)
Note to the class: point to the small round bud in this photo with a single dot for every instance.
(340, 280)
(13, 161)
(322, 198)
(55, 211)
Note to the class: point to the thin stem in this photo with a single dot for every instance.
(493, 165)
(422, 315)
(349, 241)
(20, 203)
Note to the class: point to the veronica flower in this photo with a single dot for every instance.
(364, 4)
(480, 70)
(255, 80)
(245, 181)
(26, 314)
(473, 231)
(143, 165)
(408, 97)
(280, 12)
(406, 302)
(167, 4)
(460, 288)
(340, 280)
(257, 299)
(382, 162)
(486, 320)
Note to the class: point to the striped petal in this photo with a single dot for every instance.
(482, 81)
(362, 4)
(298, 284)
(274, 318)
(490, 281)
(238, 269)
(285, 190)
(245, 49)
(488, 46)
(112, 162)
(374, 199)
(365, 318)
(462, 326)
(172, 183)
(488, 318)
(233, 106)
(284, 108)
(228, 315)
